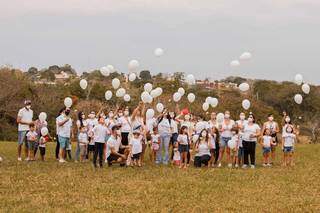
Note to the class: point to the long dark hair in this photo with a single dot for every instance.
(182, 130)
(167, 116)
(216, 131)
(200, 137)
(80, 118)
(61, 110)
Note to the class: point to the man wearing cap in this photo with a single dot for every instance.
(24, 118)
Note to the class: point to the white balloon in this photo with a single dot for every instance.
(298, 98)
(44, 131)
(83, 83)
(214, 102)
(208, 100)
(220, 117)
(115, 83)
(132, 76)
(306, 88)
(245, 56)
(190, 79)
(158, 52)
(133, 65)
(246, 104)
(160, 107)
(181, 91)
(298, 79)
(126, 98)
(232, 144)
(110, 68)
(244, 87)
(105, 71)
(159, 91)
(176, 97)
(68, 102)
(205, 106)
(42, 116)
(154, 93)
(146, 97)
(120, 92)
(191, 97)
(150, 113)
(147, 87)
(108, 95)
(149, 99)
(234, 63)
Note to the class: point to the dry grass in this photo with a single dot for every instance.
(51, 187)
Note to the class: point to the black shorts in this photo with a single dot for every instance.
(112, 157)
(183, 148)
(42, 150)
(91, 148)
(124, 138)
(136, 156)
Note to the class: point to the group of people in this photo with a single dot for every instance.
(175, 137)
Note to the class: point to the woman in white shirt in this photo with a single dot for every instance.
(138, 123)
(251, 132)
(225, 136)
(202, 148)
(164, 128)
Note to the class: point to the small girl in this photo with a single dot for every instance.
(183, 144)
(176, 157)
(155, 140)
(31, 138)
(136, 148)
(266, 142)
(288, 140)
(233, 145)
(42, 146)
(83, 142)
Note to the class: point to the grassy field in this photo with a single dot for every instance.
(74, 187)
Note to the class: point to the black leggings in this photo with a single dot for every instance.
(199, 160)
(98, 148)
(57, 147)
(249, 149)
(216, 154)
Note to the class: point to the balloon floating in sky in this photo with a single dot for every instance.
(115, 83)
(105, 71)
(126, 97)
(190, 79)
(132, 76)
(246, 104)
(298, 98)
(68, 102)
(245, 56)
(83, 84)
(244, 87)
(234, 63)
(158, 52)
(298, 79)
(191, 97)
(305, 88)
(133, 65)
(108, 95)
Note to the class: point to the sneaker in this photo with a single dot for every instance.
(264, 165)
(230, 165)
(19, 159)
(219, 165)
(253, 166)
(62, 161)
(27, 159)
(237, 166)
(244, 166)
(269, 164)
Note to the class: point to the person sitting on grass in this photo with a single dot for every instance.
(113, 146)
(202, 149)
(266, 142)
(135, 144)
(83, 142)
(32, 139)
(288, 140)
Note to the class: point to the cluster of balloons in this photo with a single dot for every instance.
(298, 79)
(178, 95)
(105, 71)
(210, 101)
(43, 117)
(243, 57)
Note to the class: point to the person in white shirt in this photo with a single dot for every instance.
(202, 149)
(64, 130)
(164, 127)
(138, 122)
(274, 130)
(83, 142)
(136, 148)
(240, 124)
(266, 142)
(124, 121)
(99, 133)
(288, 141)
(81, 122)
(24, 118)
(92, 121)
(32, 138)
(183, 141)
(225, 136)
(113, 147)
(251, 132)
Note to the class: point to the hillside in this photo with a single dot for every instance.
(265, 96)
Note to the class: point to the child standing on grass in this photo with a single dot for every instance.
(32, 139)
(42, 146)
(83, 142)
(183, 143)
(176, 157)
(155, 140)
(233, 145)
(136, 148)
(288, 140)
(266, 142)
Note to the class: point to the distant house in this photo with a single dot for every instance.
(207, 84)
(62, 76)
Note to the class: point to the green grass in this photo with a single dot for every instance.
(74, 187)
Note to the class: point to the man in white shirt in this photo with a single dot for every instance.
(64, 128)
(113, 147)
(24, 119)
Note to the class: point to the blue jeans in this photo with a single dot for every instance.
(164, 143)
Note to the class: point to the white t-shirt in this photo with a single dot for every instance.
(84, 122)
(42, 142)
(26, 116)
(174, 126)
(32, 136)
(183, 139)
(164, 127)
(113, 143)
(271, 125)
(91, 123)
(83, 138)
(155, 138)
(226, 129)
(203, 149)
(138, 121)
(288, 139)
(65, 129)
(176, 155)
(99, 133)
(248, 130)
(267, 141)
(201, 125)
(125, 123)
(136, 144)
